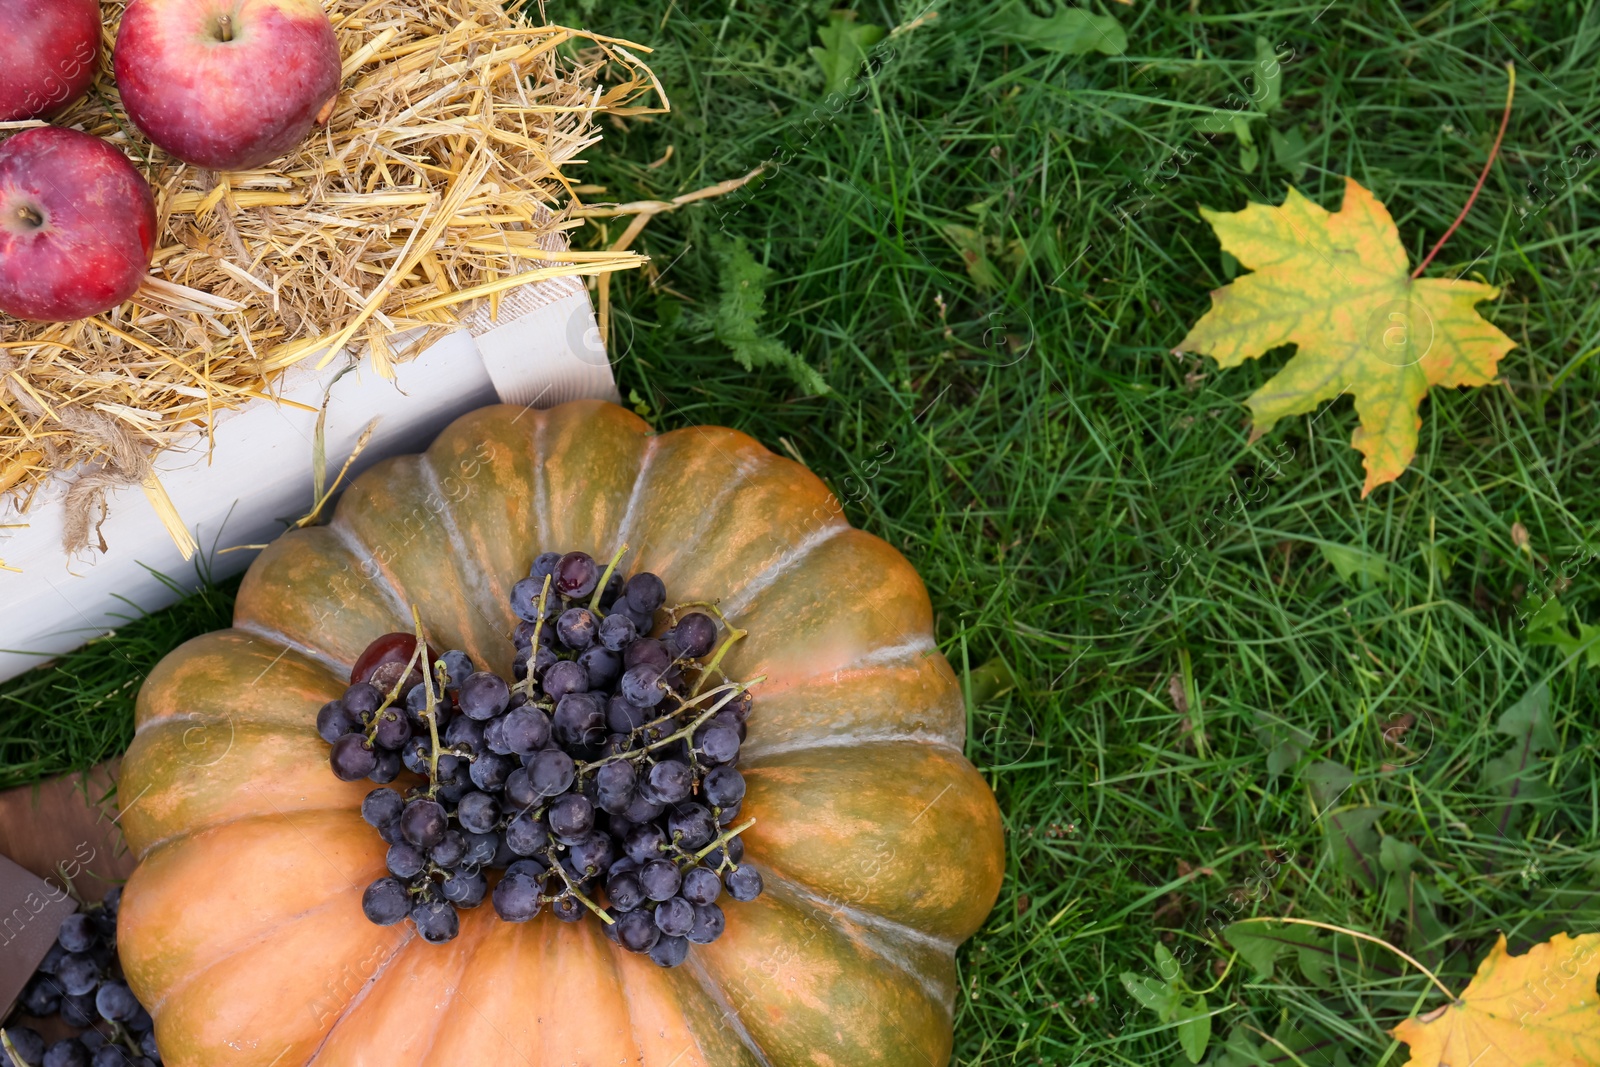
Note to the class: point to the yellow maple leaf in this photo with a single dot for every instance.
(1534, 1010)
(1336, 285)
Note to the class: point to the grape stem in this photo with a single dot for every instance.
(428, 712)
(732, 689)
(723, 838)
(10, 1049)
(708, 605)
(533, 649)
(394, 693)
(555, 865)
(734, 634)
(594, 602)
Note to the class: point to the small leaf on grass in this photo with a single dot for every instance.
(1328, 782)
(736, 318)
(1355, 566)
(1548, 626)
(974, 249)
(844, 48)
(1517, 774)
(1194, 1028)
(1153, 993)
(1289, 150)
(1285, 743)
(1071, 30)
(1338, 287)
(1353, 843)
(1269, 74)
(1319, 954)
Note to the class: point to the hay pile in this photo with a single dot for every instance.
(436, 187)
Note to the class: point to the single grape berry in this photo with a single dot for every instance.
(644, 843)
(617, 631)
(381, 806)
(723, 786)
(577, 628)
(77, 1010)
(526, 730)
(362, 700)
(645, 592)
(625, 890)
(450, 851)
(68, 1052)
(516, 898)
(29, 1045)
(708, 924)
(334, 721)
(464, 889)
(670, 781)
(483, 696)
(675, 916)
(43, 997)
(77, 933)
(405, 860)
(566, 908)
(576, 574)
(436, 921)
(602, 666)
(637, 931)
(526, 835)
(352, 758)
(743, 883)
(490, 770)
(564, 677)
(720, 744)
(393, 729)
(695, 634)
(701, 886)
(571, 817)
(591, 854)
(423, 822)
(579, 721)
(660, 879)
(641, 685)
(551, 771)
(646, 652)
(670, 951)
(691, 826)
(386, 902)
(478, 812)
(525, 598)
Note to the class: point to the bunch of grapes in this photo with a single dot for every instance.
(81, 981)
(600, 778)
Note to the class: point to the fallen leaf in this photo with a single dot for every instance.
(1534, 1010)
(1337, 286)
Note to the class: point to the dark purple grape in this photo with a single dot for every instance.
(390, 832)
(701, 886)
(77, 1010)
(464, 889)
(670, 781)
(603, 667)
(579, 721)
(386, 902)
(567, 908)
(694, 635)
(112, 903)
(382, 806)
(494, 736)
(723, 786)
(451, 849)
(614, 786)
(481, 849)
(436, 921)
(544, 564)
(642, 809)
(465, 731)
(423, 822)
(645, 592)
(115, 1002)
(77, 933)
(147, 1045)
(617, 631)
(571, 817)
(93, 1040)
(41, 997)
(362, 700)
(670, 951)
(414, 755)
(625, 890)
(675, 916)
(519, 790)
(708, 924)
(592, 854)
(660, 879)
(733, 850)
(577, 628)
(388, 768)
(646, 652)
(334, 721)
(525, 598)
(641, 685)
(612, 590)
(405, 860)
(729, 815)
(527, 729)
(564, 677)
(394, 730)
(576, 574)
(457, 665)
(29, 1045)
(551, 771)
(478, 812)
(522, 636)
(691, 826)
(108, 1055)
(743, 883)
(489, 771)
(352, 758)
(526, 835)
(483, 696)
(720, 744)
(78, 974)
(622, 716)
(637, 931)
(516, 898)
(68, 1052)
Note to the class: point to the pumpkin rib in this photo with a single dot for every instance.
(629, 513)
(882, 656)
(739, 602)
(218, 664)
(300, 648)
(713, 989)
(360, 997)
(387, 584)
(756, 751)
(492, 589)
(541, 482)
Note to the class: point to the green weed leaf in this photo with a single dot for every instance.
(1071, 31)
(844, 48)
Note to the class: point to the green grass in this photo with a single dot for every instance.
(1022, 433)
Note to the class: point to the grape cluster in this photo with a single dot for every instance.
(601, 777)
(81, 981)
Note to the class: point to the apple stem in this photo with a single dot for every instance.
(224, 27)
(30, 216)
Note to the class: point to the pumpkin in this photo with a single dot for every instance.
(880, 845)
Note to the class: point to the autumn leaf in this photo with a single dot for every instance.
(1337, 286)
(1534, 1010)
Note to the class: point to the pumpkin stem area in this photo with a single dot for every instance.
(600, 778)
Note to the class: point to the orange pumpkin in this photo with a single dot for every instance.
(880, 844)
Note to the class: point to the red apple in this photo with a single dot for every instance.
(227, 84)
(77, 225)
(49, 51)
